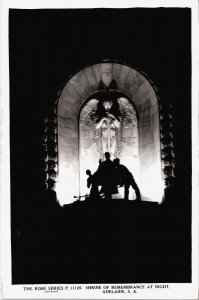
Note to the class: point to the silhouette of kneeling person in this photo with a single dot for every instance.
(107, 175)
(126, 179)
(92, 183)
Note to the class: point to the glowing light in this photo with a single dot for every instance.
(67, 185)
(152, 184)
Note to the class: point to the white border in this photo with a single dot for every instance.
(176, 291)
(100, 3)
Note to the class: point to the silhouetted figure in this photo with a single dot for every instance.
(126, 179)
(92, 183)
(107, 175)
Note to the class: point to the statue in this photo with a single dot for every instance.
(108, 122)
(107, 125)
(107, 176)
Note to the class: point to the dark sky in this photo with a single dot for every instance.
(47, 45)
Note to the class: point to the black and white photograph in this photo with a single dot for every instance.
(100, 150)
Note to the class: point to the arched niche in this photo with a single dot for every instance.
(134, 86)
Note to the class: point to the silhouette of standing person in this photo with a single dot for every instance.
(126, 178)
(92, 183)
(108, 177)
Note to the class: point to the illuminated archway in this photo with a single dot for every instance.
(135, 86)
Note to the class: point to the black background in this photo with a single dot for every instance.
(48, 46)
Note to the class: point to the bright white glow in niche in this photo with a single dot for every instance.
(67, 185)
(152, 184)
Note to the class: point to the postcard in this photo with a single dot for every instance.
(99, 195)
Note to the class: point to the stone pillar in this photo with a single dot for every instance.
(42, 175)
(167, 146)
(52, 148)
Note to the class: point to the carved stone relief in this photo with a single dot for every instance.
(126, 133)
(114, 131)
